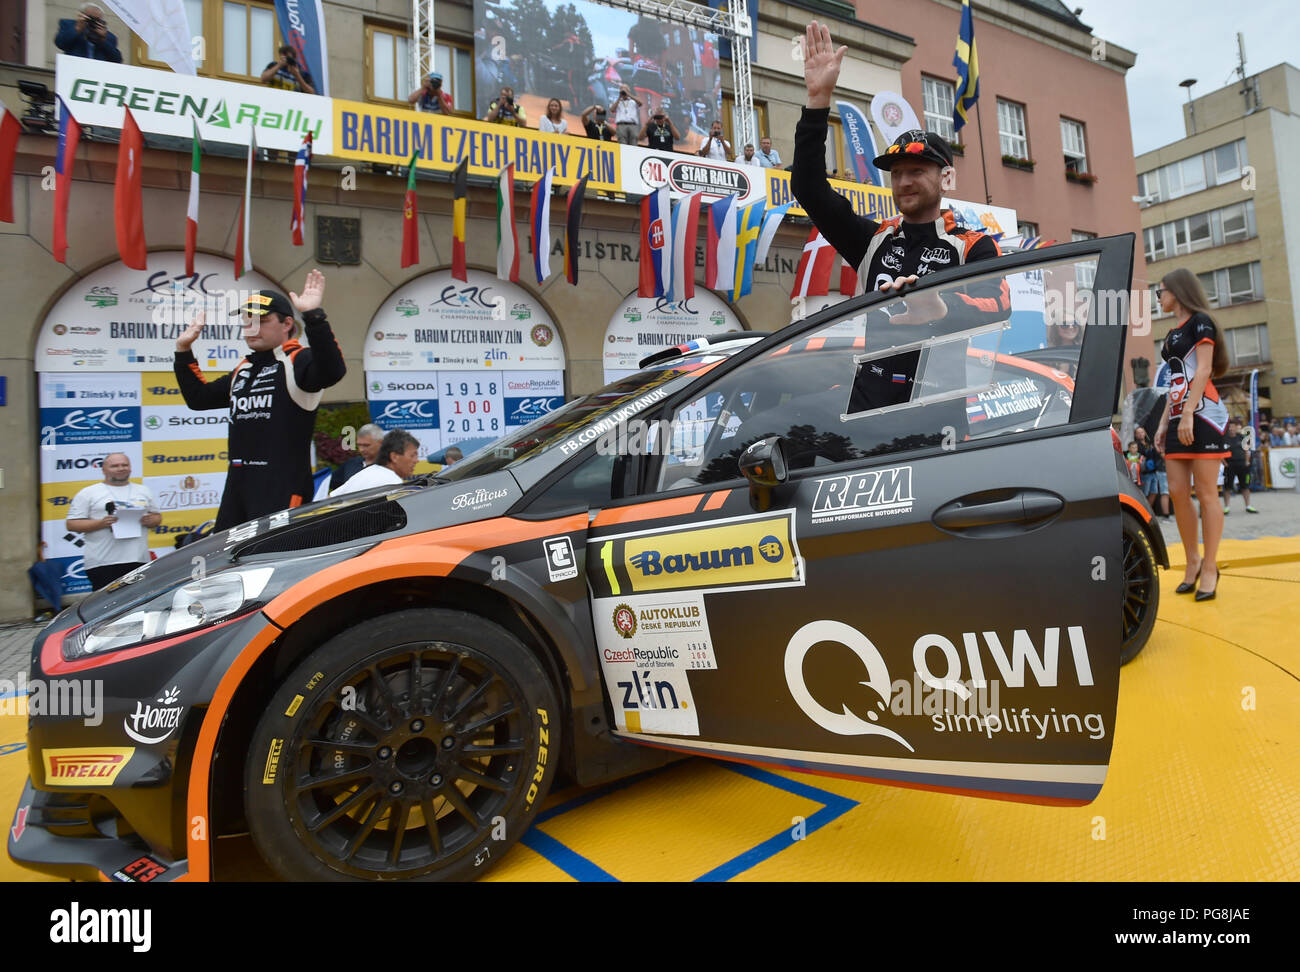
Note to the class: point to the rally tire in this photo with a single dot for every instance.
(1141, 589)
(417, 716)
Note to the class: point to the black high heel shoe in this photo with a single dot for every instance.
(1204, 596)
(1188, 586)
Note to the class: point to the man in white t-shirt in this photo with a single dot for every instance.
(626, 110)
(716, 147)
(93, 511)
(398, 454)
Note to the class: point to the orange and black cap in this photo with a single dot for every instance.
(266, 302)
(916, 144)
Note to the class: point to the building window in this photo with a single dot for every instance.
(1247, 345)
(1027, 230)
(1077, 235)
(1011, 129)
(455, 62)
(1242, 283)
(729, 124)
(937, 97)
(1210, 168)
(248, 38)
(1154, 245)
(1218, 227)
(388, 65)
(1072, 141)
(1236, 223)
(1209, 283)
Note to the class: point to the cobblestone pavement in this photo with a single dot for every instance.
(16, 648)
(1279, 516)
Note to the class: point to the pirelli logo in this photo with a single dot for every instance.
(272, 761)
(85, 767)
(734, 554)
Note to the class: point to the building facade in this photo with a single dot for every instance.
(1224, 203)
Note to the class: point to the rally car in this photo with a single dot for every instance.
(734, 552)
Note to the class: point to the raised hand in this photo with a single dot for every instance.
(821, 64)
(191, 333)
(313, 292)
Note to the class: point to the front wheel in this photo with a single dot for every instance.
(417, 745)
(1141, 589)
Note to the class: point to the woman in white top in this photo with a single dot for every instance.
(554, 120)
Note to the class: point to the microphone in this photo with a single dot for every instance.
(109, 507)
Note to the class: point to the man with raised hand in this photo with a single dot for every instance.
(272, 394)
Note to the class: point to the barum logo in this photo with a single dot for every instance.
(651, 562)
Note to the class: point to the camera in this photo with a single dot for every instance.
(97, 22)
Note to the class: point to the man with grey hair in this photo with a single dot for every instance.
(93, 511)
(368, 438)
(88, 35)
(398, 454)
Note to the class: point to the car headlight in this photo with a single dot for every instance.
(192, 605)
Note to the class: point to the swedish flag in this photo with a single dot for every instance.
(967, 63)
(749, 224)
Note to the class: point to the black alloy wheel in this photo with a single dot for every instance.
(417, 745)
(1141, 589)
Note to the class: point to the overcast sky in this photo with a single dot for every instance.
(1178, 39)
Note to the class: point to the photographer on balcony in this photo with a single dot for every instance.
(286, 73)
(88, 36)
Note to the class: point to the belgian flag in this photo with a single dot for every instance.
(573, 223)
(460, 183)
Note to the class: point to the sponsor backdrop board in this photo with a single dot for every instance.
(644, 325)
(116, 319)
(117, 328)
(582, 53)
(164, 103)
(469, 361)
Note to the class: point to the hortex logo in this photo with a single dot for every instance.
(85, 767)
(876, 492)
(152, 724)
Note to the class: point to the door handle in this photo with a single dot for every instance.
(1029, 507)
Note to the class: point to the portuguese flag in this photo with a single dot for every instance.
(410, 220)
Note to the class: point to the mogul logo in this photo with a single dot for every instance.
(85, 767)
(876, 492)
(744, 552)
(152, 724)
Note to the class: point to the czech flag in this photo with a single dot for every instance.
(69, 136)
(812, 278)
(749, 224)
(686, 231)
(459, 187)
(410, 218)
(128, 196)
(720, 258)
(572, 224)
(10, 129)
(300, 166)
(540, 223)
(507, 237)
(656, 245)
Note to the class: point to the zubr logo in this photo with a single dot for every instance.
(624, 621)
(844, 722)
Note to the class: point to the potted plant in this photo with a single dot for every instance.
(1016, 162)
(1083, 178)
(957, 148)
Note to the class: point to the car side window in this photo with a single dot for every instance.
(593, 483)
(990, 355)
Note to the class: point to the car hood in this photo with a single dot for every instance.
(353, 522)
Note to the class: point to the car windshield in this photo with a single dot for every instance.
(583, 420)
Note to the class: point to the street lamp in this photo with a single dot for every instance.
(1191, 110)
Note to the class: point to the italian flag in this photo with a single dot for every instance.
(10, 129)
(507, 237)
(410, 220)
(192, 211)
(244, 232)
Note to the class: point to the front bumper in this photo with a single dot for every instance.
(109, 786)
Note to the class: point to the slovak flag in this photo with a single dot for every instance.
(656, 245)
(69, 136)
(540, 223)
(813, 276)
(300, 166)
(720, 257)
(686, 231)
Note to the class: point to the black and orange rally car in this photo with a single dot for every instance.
(731, 553)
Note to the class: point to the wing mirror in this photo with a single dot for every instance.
(763, 464)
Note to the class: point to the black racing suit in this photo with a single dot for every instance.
(272, 397)
(882, 251)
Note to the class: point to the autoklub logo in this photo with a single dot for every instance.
(624, 621)
(379, 335)
(542, 335)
